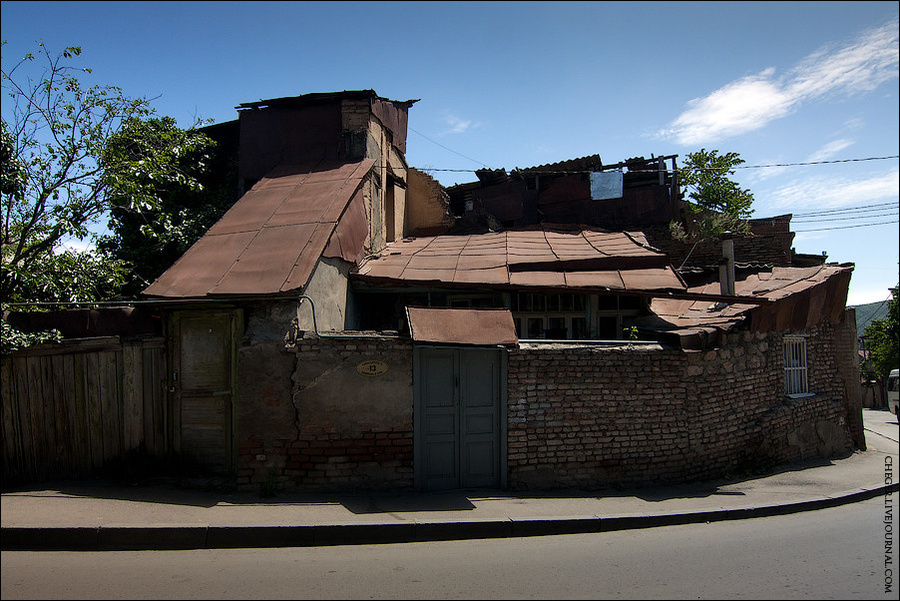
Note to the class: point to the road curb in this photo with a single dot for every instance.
(185, 537)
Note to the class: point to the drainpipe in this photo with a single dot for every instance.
(312, 305)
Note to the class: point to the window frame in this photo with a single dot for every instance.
(795, 352)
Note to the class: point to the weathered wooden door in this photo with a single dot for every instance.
(459, 418)
(203, 381)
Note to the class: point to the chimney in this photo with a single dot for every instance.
(726, 265)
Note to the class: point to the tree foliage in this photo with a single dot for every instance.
(67, 164)
(152, 237)
(716, 203)
(883, 340)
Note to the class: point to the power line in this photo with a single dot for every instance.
(860, 209)
(847, 227)
(848, 218)
(815, 162)
(449, 150)
(573, 171)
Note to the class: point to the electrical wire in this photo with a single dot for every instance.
(668, 172)
(449, 150)
(860, 209)
(846, 217)
(815, 162)
(878, 211)
(846, 227)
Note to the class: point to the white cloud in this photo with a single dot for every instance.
(754, 101)
(852, 124)
(820, 193)
(458, 125)
(859, 67)
(830, 150)
(741, 106)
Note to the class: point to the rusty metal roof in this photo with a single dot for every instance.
(538, 257)
(480, 327)
(269, 242)
(798, 298)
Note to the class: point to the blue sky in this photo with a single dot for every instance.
(510, 84)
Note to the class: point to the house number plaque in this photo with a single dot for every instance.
(372, 369)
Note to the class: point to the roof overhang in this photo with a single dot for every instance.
(472, 327)
(783, 299)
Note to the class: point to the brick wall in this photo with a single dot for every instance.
(578, 416)
(591, 417)
(767, 245)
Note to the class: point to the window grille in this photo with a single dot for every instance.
(795, 367)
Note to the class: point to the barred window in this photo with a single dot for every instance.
(795, 367)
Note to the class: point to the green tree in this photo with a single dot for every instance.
(716, 203)
(150, 238)
(883, 341)
(59, 132)
(12, 174)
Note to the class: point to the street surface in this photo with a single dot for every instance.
(836, 553)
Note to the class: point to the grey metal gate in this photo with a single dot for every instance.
(460, 418)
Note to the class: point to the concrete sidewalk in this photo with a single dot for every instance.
(106, 516)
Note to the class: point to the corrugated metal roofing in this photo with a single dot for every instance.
(535, 257)
(821, 292)
(462, 326)
(271, 239)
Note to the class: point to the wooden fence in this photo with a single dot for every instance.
(70, 410)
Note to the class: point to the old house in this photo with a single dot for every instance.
(349, 323)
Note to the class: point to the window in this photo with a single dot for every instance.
(550, 316)
(552, 327)
(795, 367)
(569, 316)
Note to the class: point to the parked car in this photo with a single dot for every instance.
(893, 391)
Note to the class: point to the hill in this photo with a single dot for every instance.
(866, 314)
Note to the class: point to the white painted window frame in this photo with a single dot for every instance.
(796, 367)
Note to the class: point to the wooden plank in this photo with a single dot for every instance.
(49, 399)
(147, 398)
(110, 402)
(162, 402)
(154, 410)
(79, 451)
(35, 396)
(95, 409)
(61, 397)
(81, 432)
(132, 396)
(67, 372)
(26, 439)
(12, 439)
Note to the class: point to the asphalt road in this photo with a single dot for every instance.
(836, 553)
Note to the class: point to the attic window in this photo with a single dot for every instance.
(795, 366)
